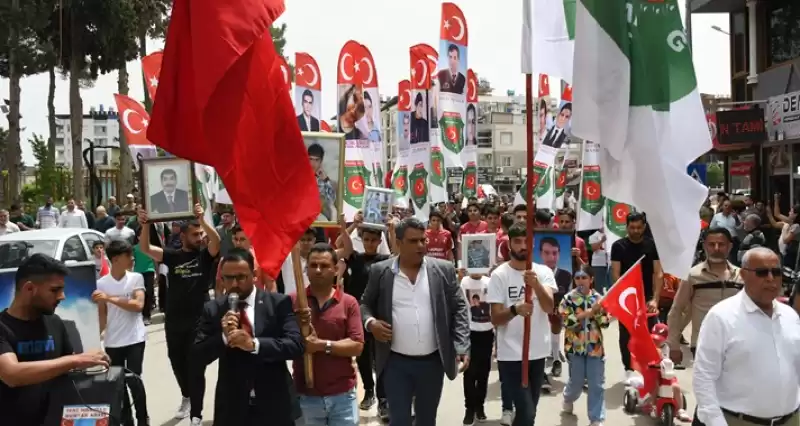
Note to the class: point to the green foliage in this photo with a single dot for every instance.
(50, 180)
(484, 87)
(715, 177)
(279, 40)
(31, 16)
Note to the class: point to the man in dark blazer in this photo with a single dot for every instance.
(450, 79)
(415, 349)
(307, 122)
(252, 342)
(557, 134)
(170, 199)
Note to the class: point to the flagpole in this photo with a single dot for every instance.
(526, 336)
(302, 303)
(620, 279)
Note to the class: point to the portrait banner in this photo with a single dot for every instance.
(451, 84)
(399, 180)
(590, 211)
(421, 179)
(469, 155)
(307, 92)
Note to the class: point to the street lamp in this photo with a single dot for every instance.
(720, 30)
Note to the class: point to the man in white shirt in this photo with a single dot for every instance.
(746, 333)
(120, 299)
(73, 217)
(120, 231)
(6, 226)
(507, 287)
(47, 215)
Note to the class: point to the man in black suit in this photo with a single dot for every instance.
(557, 135)
(252, 341)
(307, 122)
(170, 199)
(451, 80)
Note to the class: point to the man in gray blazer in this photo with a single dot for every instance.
(414, 307)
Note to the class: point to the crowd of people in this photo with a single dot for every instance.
(399, 303)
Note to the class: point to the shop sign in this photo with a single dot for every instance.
(783, 117)
(741, 126)
(740, 168)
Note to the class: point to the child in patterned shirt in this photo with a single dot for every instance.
(584, 320)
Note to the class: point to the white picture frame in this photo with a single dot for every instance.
(482, 263)
(376, 206)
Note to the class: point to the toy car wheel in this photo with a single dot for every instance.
(630, 400)
(667, 415)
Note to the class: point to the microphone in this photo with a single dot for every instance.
(233, 302)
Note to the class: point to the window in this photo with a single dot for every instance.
(740, 44)
(505, 161)
(100, 141)
(92, 238)
(783, 31)
(739, 89)
(485, 160)
(13, 253)
(74, 250)
(100, 130)
(506, 138)
(484, 138)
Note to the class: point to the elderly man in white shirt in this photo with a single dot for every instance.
(6, 226)
(72, 217)
(746, 334)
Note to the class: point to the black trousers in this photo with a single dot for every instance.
(625, 337)
(365, 362)
(131, 358)
(149, 294)
(476, 378)
(162, 293)
(190, 375)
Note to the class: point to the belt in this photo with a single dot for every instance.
(775, 421)
(434, 354)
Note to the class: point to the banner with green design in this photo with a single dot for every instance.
(592, 200)
(356, 176)
(469, 181)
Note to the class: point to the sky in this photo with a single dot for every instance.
(494, 51)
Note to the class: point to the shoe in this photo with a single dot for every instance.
(684, 341)
(383, 410)
(507, 417)
(629, 374)
(596, 424)
(683, 416)
(480, 415)
(546, 386)
(183, 409)
(368, 401)
(567, 407)
(196, 421)
(147, 321)
(469, 418)
(556, 370)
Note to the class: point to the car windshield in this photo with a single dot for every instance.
(13, 253)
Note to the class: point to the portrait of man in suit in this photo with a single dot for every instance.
(557, 135)
(450, 79)
(470, 130)
(550, 251)
(405, 130)
(307, 122)
(252, 341)
(419, 122)
(170, 198)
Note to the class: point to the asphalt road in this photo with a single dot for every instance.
(163, 395)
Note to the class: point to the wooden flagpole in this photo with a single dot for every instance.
(302, 303)
(526, 336)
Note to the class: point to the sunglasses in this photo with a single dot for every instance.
(763, 272)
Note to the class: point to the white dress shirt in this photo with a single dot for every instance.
(413, 327)
(250, 311)
(73, 219)
(736, 340)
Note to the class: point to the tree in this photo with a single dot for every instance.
(279, 40)
(152, 22)
(715, 178)
(484, 87)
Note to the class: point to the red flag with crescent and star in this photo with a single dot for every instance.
(454, 25)
(134, 120)
(544, 85)
(223, 101)
(625, 301)
(404, 95)
(472, 87)
(306, 71)
(423, 64)
(151, 68)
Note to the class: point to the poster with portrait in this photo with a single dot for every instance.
(479, 308)
(553, 248)
(307, 92)
(544, 115)
(469, 155)
(326, 154)
(378, 203)
(478, 252)
(167, 188)
(77, 310)
(452, 84)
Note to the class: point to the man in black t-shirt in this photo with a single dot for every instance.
(188, 283)
(34, 345)
(625, 253)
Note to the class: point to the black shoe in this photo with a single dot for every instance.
(368, 401)
(556, 370)
(480, 415)
(469, 418)
(546, 386)
(683, 341)
(383, 410)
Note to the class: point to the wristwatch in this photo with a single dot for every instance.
(513, 310)
(328, 347)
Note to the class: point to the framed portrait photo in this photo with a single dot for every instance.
(553, 248)
(377, 205)
(326, 154)
(478, 252)
(167, 188)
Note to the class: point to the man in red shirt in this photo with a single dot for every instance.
(566, 221)
(475, 225)
(503, 251)
(492, 216)
(439, 240)
(337, 336)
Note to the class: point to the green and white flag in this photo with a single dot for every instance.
(615, 218)
(548, 37)
(636, 96)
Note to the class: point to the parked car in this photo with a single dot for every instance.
(70, 245)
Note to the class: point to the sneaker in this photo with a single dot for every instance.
(196, 421)
(368, 401)
(183, 409)
(480, 415)
(469, 418)
(556, 370)
(567, 407)
(629, 375)
(507, 417)
(683, 416)
(546, 386)
(383, 410)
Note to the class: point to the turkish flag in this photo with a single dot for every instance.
(625, 301)
(134, 121)
(151, 68)
(222, 101)
(104, 267)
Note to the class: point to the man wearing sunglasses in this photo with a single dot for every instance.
(746, 333)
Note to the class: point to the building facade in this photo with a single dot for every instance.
(100, 131)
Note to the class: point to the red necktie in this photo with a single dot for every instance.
(245, 320)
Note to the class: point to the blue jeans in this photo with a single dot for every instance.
(411, 378)
(525, 400)
(591, 369)
(601, 278)
(334, 410)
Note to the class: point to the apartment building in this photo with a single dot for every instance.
(100, 130)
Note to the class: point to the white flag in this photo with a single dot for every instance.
(548, 37)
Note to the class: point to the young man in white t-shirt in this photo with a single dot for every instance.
(506, 294)
(481, 337)
(120, 299)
